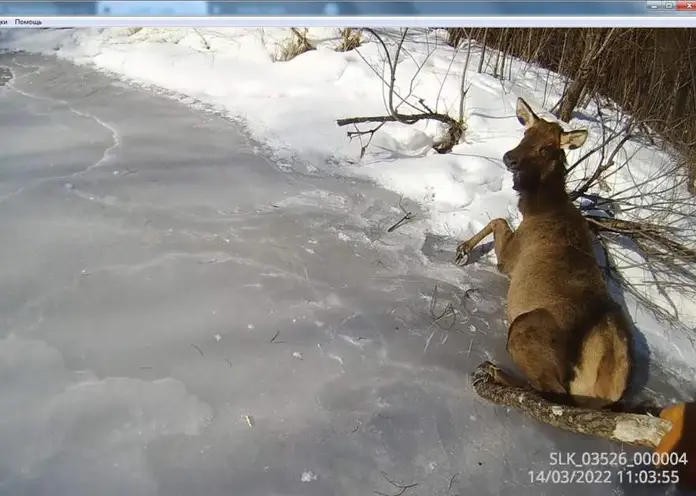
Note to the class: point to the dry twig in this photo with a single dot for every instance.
(401, 487)
(406, 217)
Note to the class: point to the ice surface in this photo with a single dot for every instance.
(160, 276)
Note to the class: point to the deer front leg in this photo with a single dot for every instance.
(502, 234)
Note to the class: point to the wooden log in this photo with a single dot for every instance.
(629, 428)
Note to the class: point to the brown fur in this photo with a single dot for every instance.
(566, 334)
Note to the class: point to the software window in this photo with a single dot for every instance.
(346, 248)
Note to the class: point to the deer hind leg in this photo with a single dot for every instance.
(535, 346)
(502, 235)
(602, 373)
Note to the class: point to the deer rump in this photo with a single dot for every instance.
(567, 335)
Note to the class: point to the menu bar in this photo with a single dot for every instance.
(342, 21)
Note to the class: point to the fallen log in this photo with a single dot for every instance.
(629, 428)
(665, 434)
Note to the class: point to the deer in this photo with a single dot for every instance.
(570, 339)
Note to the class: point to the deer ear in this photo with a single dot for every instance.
(525, 114)
(573, 139)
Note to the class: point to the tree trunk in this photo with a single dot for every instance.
(571, 97)
(483, 50)
(595, 44)
(563, 54)
(528, 54)
(505, 47)
(683, 84)
(497, 56)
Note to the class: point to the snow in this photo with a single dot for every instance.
(308, 476)
(290, 109)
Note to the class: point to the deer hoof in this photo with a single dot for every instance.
(462, 255)
(485, 372)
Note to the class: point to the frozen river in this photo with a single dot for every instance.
(182, 316)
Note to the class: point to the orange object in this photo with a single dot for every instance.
(681, 439)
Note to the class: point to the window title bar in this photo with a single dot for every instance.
(359, 8)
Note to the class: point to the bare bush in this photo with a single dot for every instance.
(351, 39)
(644, 223)
(455, 36)
(649, 73)
(297, 44)
(394, 101)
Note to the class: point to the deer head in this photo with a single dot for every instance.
(539, 159)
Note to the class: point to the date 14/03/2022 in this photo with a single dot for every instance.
(599, 476)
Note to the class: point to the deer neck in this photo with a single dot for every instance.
(549, 196)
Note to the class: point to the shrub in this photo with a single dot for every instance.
(295, 45)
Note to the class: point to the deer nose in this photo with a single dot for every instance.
(510, 162)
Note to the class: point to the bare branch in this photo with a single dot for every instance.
(462, 91)
(359, 134)
(599, 170)
(406, 119)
